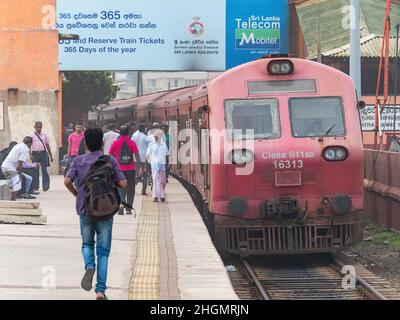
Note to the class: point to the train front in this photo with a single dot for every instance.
(293, 182)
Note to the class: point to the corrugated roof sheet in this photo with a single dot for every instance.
(334, 22)
(370, 48)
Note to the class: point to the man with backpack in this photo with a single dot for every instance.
(126, 151)
(142, 142)
(97, 201)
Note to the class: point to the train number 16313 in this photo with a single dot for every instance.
(288, 164)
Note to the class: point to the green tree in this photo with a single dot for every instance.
(85, 91)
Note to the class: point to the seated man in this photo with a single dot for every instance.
(12, 168)
(30, 170)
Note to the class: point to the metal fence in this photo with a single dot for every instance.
(382, 188)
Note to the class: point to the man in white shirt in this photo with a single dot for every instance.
(12, 168)
(142, 142)
(109, 137)
(150, 134)
(157, 155)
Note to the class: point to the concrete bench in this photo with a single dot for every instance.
(5, 193)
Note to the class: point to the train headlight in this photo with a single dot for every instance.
(280, 67)
(241, 156)
(335, 154)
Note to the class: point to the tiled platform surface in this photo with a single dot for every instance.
(189, 266)
(163, 253)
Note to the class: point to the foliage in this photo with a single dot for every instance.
(378, 235)
(86, 90)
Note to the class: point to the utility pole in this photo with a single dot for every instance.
(139, 84)
(355, 45)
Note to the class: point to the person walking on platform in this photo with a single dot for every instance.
(41, 153)
(74, 140)
(125, 151)
(157, 156)
(166, 139)
(13, 171)
(142, 143)
(89, 228)
(109, 137)
(154, 128)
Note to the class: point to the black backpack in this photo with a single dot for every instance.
(125, 155)
(3, 155)
(102, 200)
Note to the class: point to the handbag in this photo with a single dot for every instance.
(44, 146)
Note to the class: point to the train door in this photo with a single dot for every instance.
(184, 126)
(191, 150)
(174, 144)
(193, 147)
(196, 166)
(204, 153)
(180, 143)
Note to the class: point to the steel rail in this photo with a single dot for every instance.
(258, 284)
(370, 289)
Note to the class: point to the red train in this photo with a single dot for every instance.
(303, 189)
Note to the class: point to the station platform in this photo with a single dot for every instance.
(164, 253)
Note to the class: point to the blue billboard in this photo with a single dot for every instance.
(255, 28)
(178, 35)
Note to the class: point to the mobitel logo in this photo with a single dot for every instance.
(258, 33)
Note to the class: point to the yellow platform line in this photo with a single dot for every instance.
(144, 283)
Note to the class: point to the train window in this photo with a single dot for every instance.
(259, 115)
(282, 86)
(315, 117)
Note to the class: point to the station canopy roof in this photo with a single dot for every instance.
(334, 35)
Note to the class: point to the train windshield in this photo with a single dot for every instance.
(259, 117)
(316, 117)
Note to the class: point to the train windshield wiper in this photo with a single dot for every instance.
(329, 130)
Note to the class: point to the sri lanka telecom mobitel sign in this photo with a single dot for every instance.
(175, 35)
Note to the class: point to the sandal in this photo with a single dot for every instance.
(87, 279)
(104, 297)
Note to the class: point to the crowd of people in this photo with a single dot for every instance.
(21, 164)
(131, 153)
(134, 154)
(152, 162)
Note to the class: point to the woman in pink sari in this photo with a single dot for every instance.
(157, 156)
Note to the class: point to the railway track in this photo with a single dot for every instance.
(300, 278)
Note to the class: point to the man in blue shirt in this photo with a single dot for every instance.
(103, 229)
